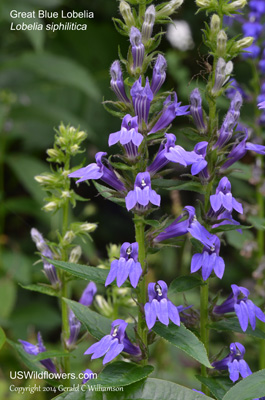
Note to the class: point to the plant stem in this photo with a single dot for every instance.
(141, 297)
(204, 328)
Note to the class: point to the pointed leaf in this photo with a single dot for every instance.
(2, 337)
(249, 388)
(185, 340)
(232, 324)
(184, 283)
(45, 289)
(218, 385)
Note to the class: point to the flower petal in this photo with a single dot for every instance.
(123, 271)
(150, 315)
(114, 350)
(135, 273)
(173, 313)
(112, 273)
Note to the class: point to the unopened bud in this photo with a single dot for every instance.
(88, 227)
(75, 254)
(215, 24)
(66, 194)
(81, 135)
(74, 149)
(222, 74)
(149, 20)
(51, 206)
(113, 252)
(221, 43)
(69, 237)
(126, 13)
(53, 153)
(235, 5)
(44, 179)
(62, 140)
(203, 3)
(243, 43)
(62, 129)
(72, 129)
(103, 305)
(169, 8)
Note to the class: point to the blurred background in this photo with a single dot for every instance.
(46, 78)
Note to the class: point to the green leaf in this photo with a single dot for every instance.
(51, 354)
(61, 70)
(257, 222)
(45, 289)
(251, 387)
(185, 340)
(7, 297)
(122, 373)
(2, 337)
(25, 168)
(109, 194)
(217, 385)
(95, 274)
(152, 222)
(149, 389)
(229, 227)
(97, 325)
(232, 324)
(172, 184)
(184, 283)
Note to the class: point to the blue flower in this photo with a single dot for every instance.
(37, 349)
(116, 83)
(98, 170)
(196, 110)
(88, 374)
(159, 307)
(113, 344)
(142, 194)
(195, 158)
(127, 266)
(159, 74)
(226, 219)
(128, 136)
(45, 251)
(244, 308)
(161, 160)
(74, 324)
(209, 259)
(142, 97)
(234, 362)
(223, 199)
(170, 110)
(137, 47)
(179, 227)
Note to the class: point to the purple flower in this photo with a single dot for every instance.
(116, 83)
(88, 374)
(98, 170)
(127, 266)
(45, 251)
(170, 110)
(113, 344)
(159, 307)
(230, 121)
(179, 227)
(227, 218)
(234, 362)
(74, 324)
(200, 165)
(159, 74)
(179, 155)
(251, 51)
(137, 47)
(223, 200)
(142, 194)
(198, 391)
(161, 160)
(222, 74)
(253, 29)
(235, 87)
(128, 136)
(257, 6)
(148, 24)
(37, 349)
(239, 149)
(196, 110)
(261, 105)
(244, 308)
(209, 259)
(142, 97)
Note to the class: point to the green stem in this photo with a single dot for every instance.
(141, 296)
(204, 328)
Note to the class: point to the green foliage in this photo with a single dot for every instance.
(248, 388)
(218, 386)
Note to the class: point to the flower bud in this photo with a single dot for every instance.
(203, 3)
(149, 20)
(88, 227)
(116, 83)
(169, 8)
(53, 153)
(74, 149)
(51, 206)
(222, 74)
(221, 43)
(103, 305)
(62, 140)
(65, 194)
(126, 13)
(243, 43)
(137, 47)
(113, 252)
(235, 5)
(44, 179)
(196, 110)
(81, 135)
(75, 254)
(215, 24)
(72, 129)
(69, 237)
